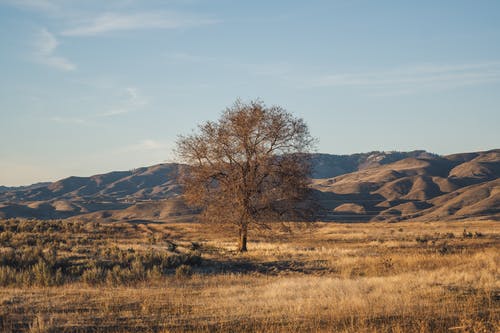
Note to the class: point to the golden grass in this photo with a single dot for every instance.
(371, 277)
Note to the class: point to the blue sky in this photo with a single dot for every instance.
(93, 86)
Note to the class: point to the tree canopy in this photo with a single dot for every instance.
(248, 168)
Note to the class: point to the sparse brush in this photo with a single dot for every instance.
(93, 276)
(183, 271)
(337, 277)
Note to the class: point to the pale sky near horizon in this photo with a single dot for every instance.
(90, 87)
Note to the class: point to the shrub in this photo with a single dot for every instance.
(466, 234)
(444, 249)
(387, 264)
(154, 274)
(195, 246)
(8, 276)
(423, 239)
(5, 237)
(183, 271)
(117, 275)
(42, 274)
(94, 275)
(171, 246)
(137, 270)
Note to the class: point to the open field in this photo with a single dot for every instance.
(161, 277)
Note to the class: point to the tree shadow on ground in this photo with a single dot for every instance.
(275, 267)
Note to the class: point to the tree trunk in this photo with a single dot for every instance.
(242, 242)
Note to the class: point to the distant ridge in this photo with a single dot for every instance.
(426, 187)
(372, 186)
(328, 165)
(18, 188)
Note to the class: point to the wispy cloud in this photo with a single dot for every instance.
(45, 6)
(133, 101)
(110, 22)
(147, 144)
(65, 120)
(182, 57)
(276, 69)
(108, 16)
(45, 47)
(414, 79)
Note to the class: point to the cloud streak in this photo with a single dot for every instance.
(111, 22)
(82, 21)
(34, 5)
(45, 48)
(147, 144)
(133, 102)
(64, 120)
(414, 79)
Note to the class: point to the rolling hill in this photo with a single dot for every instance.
(361, 187)
(425, 188)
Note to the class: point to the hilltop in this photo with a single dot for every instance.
(359, 187)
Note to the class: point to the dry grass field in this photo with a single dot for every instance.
(138, 276)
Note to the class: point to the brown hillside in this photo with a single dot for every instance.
(173, 209)
(415, 187)
(474, 200)
(372, 186)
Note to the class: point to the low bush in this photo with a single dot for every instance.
(53, 252)
(183, 271)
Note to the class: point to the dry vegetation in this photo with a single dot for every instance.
(162, 277)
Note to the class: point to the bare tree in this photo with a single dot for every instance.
(247, 169)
